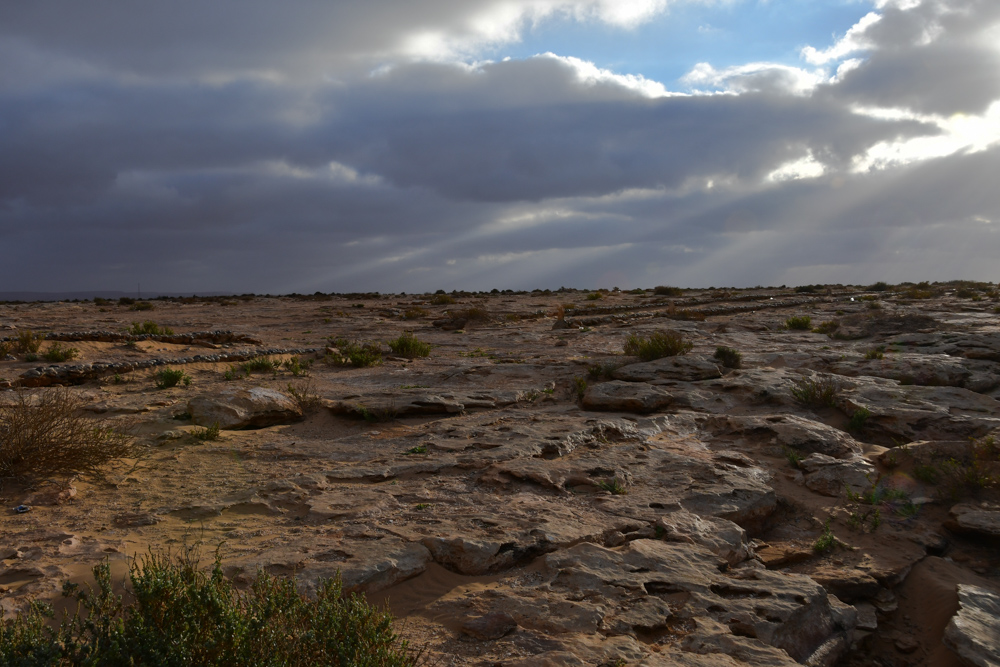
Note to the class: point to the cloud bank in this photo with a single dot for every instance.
(345, 146)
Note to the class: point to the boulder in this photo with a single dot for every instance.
(669, 369)
(966, 518)
(782, 430)
(256, 407)
(723, 538)
(831, 477)
(618, 396)
(974, 632)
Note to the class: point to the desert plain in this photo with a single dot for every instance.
(824, 493)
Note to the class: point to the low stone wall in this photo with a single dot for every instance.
(69, 374)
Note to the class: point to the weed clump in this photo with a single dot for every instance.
(28, 342)
(171, 377)
(877, 352)
(728, 356)
(660, 344)
(353, 353)
(407, 345)
(297, 367)
(827, 327)
(46, 433)
(57, 353)
(209, 433)
(859, 420)
(150, 328)
(442, 300)
(816, 393)
(826, 541)
(184, 616)
(799, 323)
(142, 305)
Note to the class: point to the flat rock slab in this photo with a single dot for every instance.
(779, 431)
(831, 477)
(678, 369)
(244, 408)
(974, 632)
(972, 519)
(618, 396)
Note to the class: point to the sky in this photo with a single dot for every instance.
(316, 145)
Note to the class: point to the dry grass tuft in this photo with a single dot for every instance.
(46, 434)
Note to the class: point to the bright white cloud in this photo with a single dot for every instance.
(590, 74)
(959, 133)
(805, 167)
(855, 40)
(755, 77)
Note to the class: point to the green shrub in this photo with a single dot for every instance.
(826, 541)
(149, 327)
(57, 353)
(126, 301)
(353, 353)
(260, 365)
(613, 486)
(877, 352)
(660, 344)
(142, 305)
(407, 345)
(304, 397)
(858, 420)
(799, 323)
(442, 300)
(47, 434)
(171, 377)
(181, 615)
(298, 367)
(827, 327)
(816, 393)
(728, 356)
(580, 386)
(212, 432)
(665, 290)
(29, 342)
(595, 296)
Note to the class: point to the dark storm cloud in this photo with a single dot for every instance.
(247, 147)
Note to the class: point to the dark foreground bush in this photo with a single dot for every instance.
(46, 434)
(179, 615)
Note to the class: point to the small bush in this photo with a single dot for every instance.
(142, 305)
(877, 352)
(728, 357)
(184, 616)
(233, 373)
(126, 301)
(377, 415)
(297, 367)
(57, 353)
(580, 386)
(407, 345)
(47, 434)
(799, 323)
(442, 300)
(212, 432)
(352, 353)
(149, 327)
(474, 314)
(595, 296)
(6, 346)
(827, 327)
(665, 290)
(816, 393)
(880, 286)
(260, 365)
(304, 397)
(613, 486)
(660, 344)
(414, 313)
(171, 377)
(826, 541)
(29, 342)
(858, 420)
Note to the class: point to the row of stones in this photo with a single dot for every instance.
(45, 376)
(720, 310)
(216, 337)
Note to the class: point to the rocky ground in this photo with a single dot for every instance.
(529, 495)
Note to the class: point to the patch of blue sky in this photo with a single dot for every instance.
(721, 34)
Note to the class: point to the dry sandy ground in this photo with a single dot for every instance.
(384, 500)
